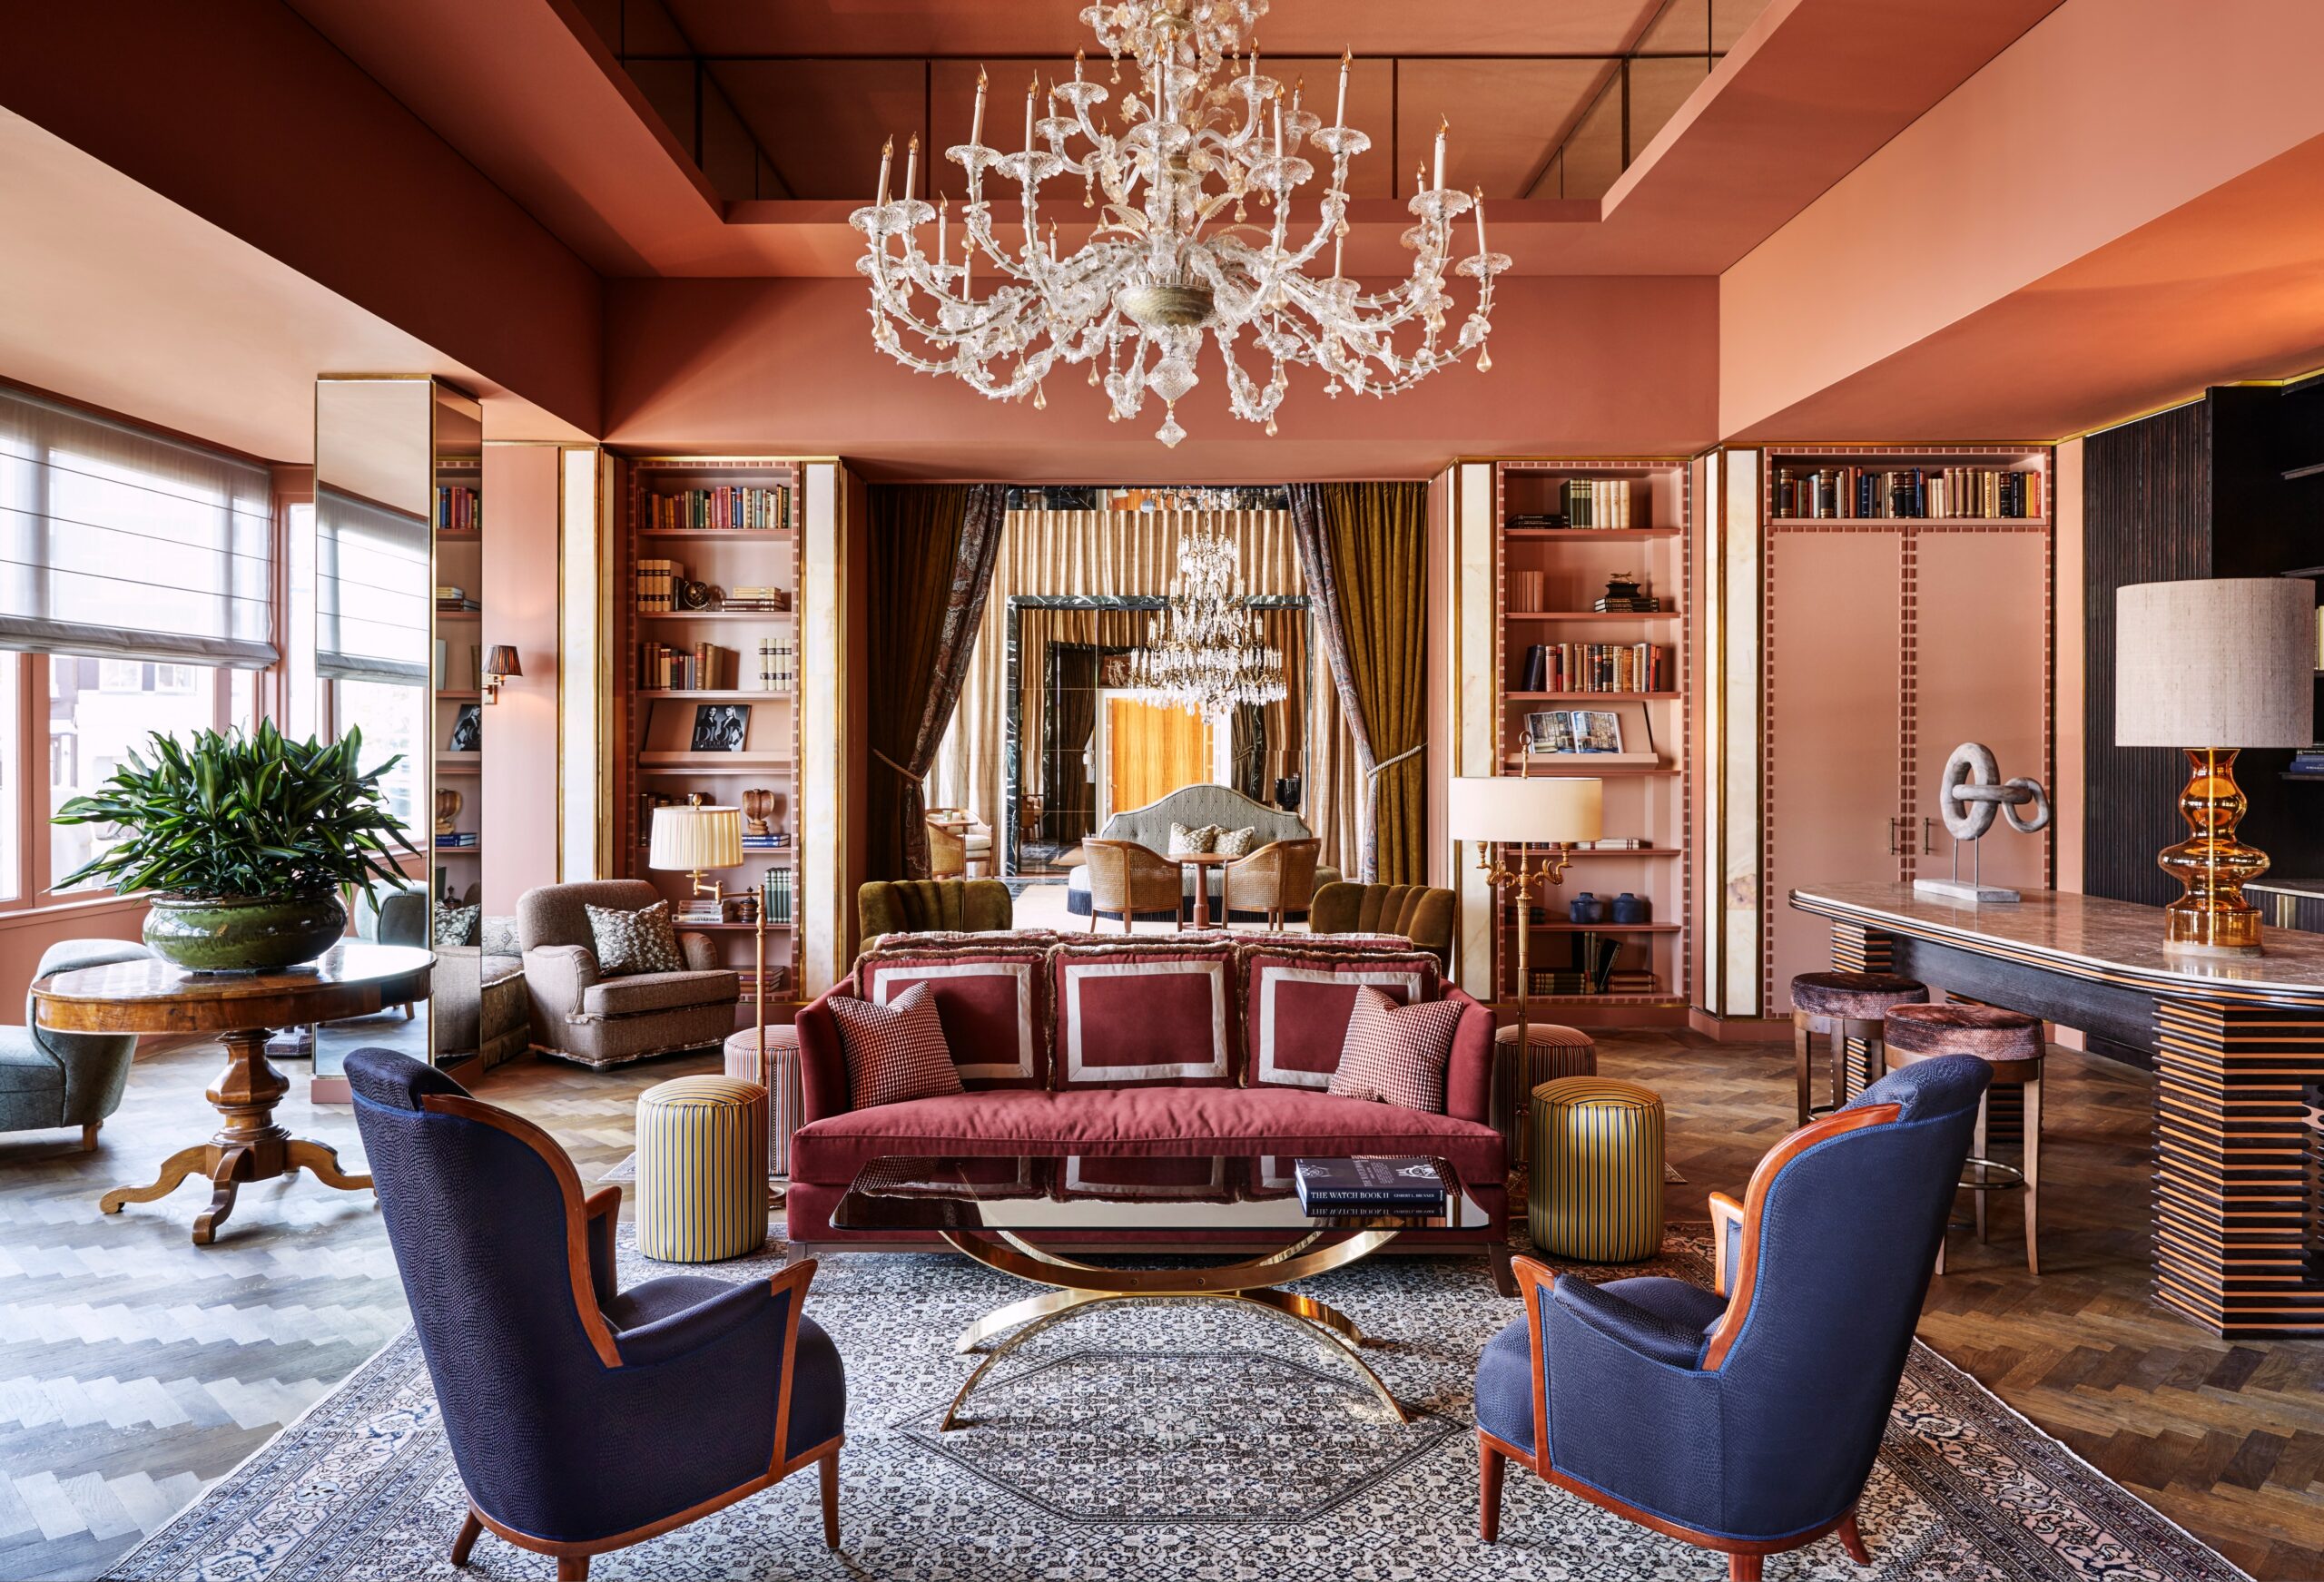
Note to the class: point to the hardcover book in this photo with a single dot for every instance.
(1387, 1182)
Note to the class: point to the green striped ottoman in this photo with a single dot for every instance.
(700, 1169)
(1596, 1175)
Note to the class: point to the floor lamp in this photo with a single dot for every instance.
(1508, 817)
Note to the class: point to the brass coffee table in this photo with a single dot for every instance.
(997, 1209)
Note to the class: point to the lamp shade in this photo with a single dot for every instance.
(502, 662)
(697, 837)
(2228, 661)
(1525, 809)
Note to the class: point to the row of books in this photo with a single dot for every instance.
(458, 509)
(775, 891)
(455, 840)
(448, 598)
(729, 506)
(769, 601)
(1375, 1183)
(2307, 761)
(704, 667)
(1615, 844)
(1630, 980)
(778, 669)
(1873, 493)
(1596, 503)
(655, 582)
(1594, 667)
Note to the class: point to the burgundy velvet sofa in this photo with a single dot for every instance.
(1160, 1047)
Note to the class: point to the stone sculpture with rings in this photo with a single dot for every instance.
(1968, 796)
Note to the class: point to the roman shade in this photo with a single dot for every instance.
(372, 590)
(121, 543)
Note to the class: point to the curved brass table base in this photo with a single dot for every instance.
(1077, 1287)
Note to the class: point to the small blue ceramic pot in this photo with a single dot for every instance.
(1630, 909)
(1585, 907)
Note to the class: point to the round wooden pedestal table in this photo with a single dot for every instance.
(353, 979)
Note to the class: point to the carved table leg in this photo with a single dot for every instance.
(323, 1160)
(185, 1162)
(226, 1178)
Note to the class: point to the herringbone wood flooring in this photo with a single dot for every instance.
(136, 1368)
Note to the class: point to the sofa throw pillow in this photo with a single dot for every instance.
(1185, 841)
(456, 925)
(1235, 842)
(497, 936)
(1297, 1000)
(1397, 1053)
(894, 1052)
(992, 996)
(638, 942)
(1146, 1012)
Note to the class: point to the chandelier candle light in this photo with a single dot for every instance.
(1192, 185)
(1209, 653)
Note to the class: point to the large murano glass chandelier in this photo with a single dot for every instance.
(1209, 653)
(1191, 184)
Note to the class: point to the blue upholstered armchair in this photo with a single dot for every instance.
(584, 1418)
(1745, 1420)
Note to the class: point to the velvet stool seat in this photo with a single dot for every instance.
(2010, 1044)
(1596, 1179)
(778, 1073)
(1551, 1052)
(702, 1168)
(1841, 1006)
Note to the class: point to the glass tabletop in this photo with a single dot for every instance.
(1137, 1194)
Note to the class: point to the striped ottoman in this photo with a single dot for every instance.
(1597, 1176)
(779, 1074)
(700, 1169)
(1551, 1052)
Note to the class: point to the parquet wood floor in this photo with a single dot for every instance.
(136, 1368)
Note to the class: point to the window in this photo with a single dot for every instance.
(12, 813)
(392, 719)
(99, 712)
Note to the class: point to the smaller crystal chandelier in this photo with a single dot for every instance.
(1209, 655)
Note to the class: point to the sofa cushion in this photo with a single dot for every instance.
(1296, 1001)
(895, 1053)
(642, 992)
(1185, 841)
(992, 995)
(1146, 1012)
(1158, 1121)
(1397, 1054)
(634, 942)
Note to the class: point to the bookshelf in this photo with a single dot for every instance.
(692, 672)
(1632, 663)
(457, 869)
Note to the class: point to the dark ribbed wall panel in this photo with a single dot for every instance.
(2146, 517)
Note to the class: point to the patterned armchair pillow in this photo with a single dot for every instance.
(992, 993)
(456, 925)
(1147, 1012)
(1397, 1053)
(1297, 1001)
(1185, 841)
(497, 936)
(634, 942)
(1235, 842)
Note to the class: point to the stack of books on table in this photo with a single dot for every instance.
(448, 598)
(1370, 1185)
(757, 601)
(699, 908)
(1635, 605)
(456, 840)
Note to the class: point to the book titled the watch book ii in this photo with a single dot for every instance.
(1370, 1183)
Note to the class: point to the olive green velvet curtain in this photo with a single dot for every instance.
(1363, 548)
(930, 565)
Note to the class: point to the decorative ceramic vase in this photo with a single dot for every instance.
(243, 933)
(1585, 907)
(1630, 909)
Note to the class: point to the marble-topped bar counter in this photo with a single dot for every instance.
(2237, 1043)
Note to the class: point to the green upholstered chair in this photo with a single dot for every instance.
(1420, 914)
(65, 1079)
(923, 906)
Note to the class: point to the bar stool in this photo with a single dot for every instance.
(1843, 1006)
(2009, 1042)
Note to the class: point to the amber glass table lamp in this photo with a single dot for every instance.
(2213, 667)
(1515, 815)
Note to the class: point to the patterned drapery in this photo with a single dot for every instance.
(1364, 550)
(931, 556)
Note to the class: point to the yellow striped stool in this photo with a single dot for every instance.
(700, 1169)
(1550, 1051)
(1596, 1177)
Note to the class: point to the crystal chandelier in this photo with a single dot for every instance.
(1192, 185)
(1209, 655)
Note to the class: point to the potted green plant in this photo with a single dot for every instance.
(245, 842)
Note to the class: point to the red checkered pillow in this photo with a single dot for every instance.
(1397, 1053)
(993, 1000)
(896, 1051)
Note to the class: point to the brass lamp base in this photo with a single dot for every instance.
(2212, 918)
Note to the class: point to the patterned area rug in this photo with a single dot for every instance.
(1170, 1441)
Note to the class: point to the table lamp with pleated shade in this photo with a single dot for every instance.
(695, 838)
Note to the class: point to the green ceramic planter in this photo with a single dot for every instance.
(243, 933)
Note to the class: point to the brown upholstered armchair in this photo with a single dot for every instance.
(579, 1014)
(1277, 879)
(957, 844)
(972, 906)
(1131, 881)
(1420, 914)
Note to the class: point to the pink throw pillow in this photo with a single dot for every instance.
(1397, 1053)
(896, 1051)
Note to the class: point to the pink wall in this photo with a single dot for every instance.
(2105, 116)
(523, 503)
(241, 112)
(1586, 364)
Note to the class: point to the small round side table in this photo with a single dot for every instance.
(353, 979)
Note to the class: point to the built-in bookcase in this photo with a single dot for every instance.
(458, 853)
(1627, 519)
(722, 526)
